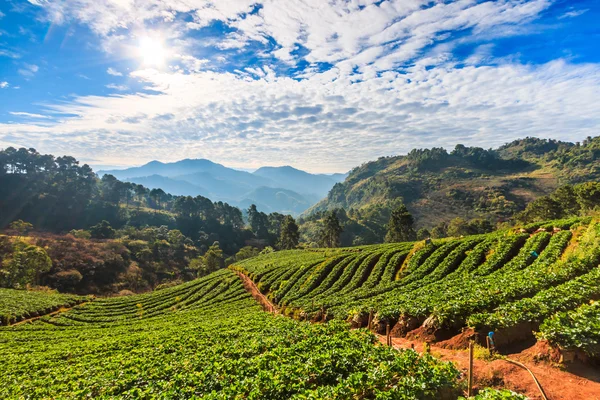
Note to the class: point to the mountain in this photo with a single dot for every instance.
(468, 182)
(280, 189)
(276, 199)
(299, 181)
(169, 185)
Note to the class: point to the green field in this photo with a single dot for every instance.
(16, 305)
(512, 279)
(206, 339)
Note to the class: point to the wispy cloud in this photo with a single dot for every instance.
(29, 115)
(114, 72)
(117, 87)
(28, 70)
(573, 13)
(4, 85)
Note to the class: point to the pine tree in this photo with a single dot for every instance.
(289, 236)
(330, 234)
(400, 227)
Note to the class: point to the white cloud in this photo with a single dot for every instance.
(29, 115)
(28, 70)
(113, 72)
(573, 13)
(393, 84)
(4, 85)
(117, 87)
(319, 123)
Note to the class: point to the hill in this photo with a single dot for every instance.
(220, 183)
(205, 339)
(468, 182)
(511, 282)
(300, 181)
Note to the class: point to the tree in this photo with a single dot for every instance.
(423, 234)
(246, 252)
(259, 222)
(458, 227)
(400, 226)
(542, 209)
(289, 236)
(21, 227)
(103, 230)
(24, 266)
(331, 231)
(211, 261)
(588, 195)
(567, 198)
(440, 230)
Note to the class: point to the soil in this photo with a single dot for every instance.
(250, 286)
(577, 381)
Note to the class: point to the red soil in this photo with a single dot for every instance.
(250, 286)
(582, 383)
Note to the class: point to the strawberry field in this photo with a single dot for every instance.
(205, 339)
(518, 279)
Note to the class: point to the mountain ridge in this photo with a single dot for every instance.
(290, 190)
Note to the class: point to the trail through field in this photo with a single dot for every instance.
(251, 287)
(60, 310)
(557, 384)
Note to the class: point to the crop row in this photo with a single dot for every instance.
(222, 346)
(17, 305)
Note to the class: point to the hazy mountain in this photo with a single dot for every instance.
(170, 185)
(276, 199)
(299, 181)
(281, 189)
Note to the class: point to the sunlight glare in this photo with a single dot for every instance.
(152, 51)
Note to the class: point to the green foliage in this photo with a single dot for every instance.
(400, 226)
(470, 183)
(207, 338)
(24, 266)
(210, 262)
(16, 305)
(494, 394)
(20, 226)
(577, 329)
(103, 230)
(331, 231)
(507, 284)
(289, 236)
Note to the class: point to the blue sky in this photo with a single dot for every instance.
(323, 86)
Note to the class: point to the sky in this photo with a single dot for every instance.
(320, 85)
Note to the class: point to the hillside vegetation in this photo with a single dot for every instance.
(206, 339)
(509, 281)
(468, 182)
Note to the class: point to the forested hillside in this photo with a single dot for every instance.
(467, 182)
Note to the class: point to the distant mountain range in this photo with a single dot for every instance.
(272, 189)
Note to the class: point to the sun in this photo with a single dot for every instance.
(152, 51)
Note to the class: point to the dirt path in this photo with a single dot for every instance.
(258, 296)
(557, 383)
(60, 310)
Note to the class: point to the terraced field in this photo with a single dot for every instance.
(509, 282)
(206, 339)
(17, 305)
